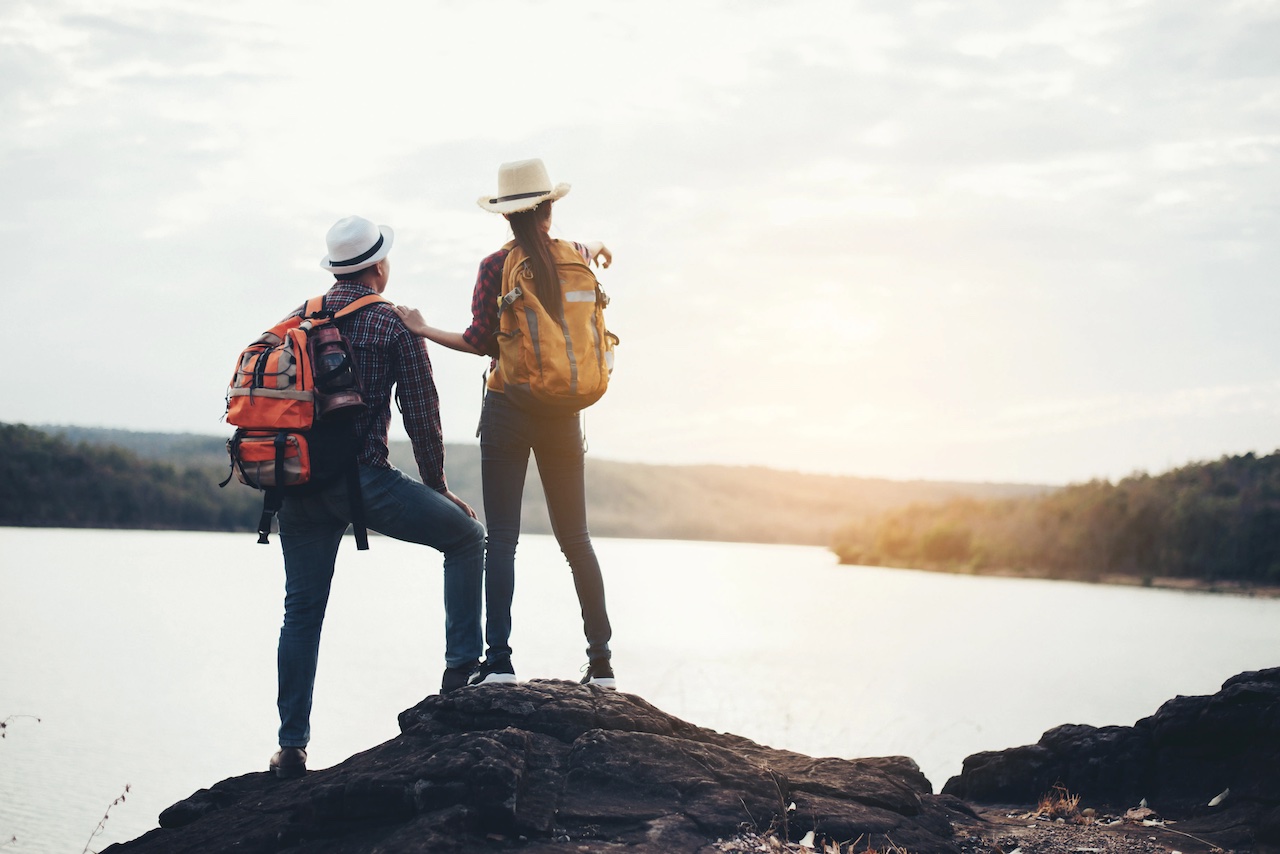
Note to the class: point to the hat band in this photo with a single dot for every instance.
(362, 257)
(515, 196)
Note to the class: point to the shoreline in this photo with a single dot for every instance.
(1187, 585)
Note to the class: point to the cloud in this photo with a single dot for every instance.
(840, 235)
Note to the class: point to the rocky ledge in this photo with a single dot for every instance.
(555, 764)
(1210, 763)
(548, 763)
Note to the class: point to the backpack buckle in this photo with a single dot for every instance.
(505, 302)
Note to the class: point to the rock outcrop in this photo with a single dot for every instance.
(1186, 755)
(545, 763)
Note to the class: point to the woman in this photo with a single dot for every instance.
(509, 431)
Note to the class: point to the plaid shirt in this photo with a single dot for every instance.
(482, 334)
(387, 354)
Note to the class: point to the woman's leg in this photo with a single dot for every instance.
(504, 461)
(558, 447)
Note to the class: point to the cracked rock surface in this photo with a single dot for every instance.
(1210, 763)
(552, 764)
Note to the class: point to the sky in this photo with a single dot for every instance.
(1002, 241)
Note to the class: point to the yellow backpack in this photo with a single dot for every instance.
(545, 365)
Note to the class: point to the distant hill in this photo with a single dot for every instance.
(732, 503)
(1210, 521)
(49, 481)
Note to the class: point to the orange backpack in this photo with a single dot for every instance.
(293, 399)
(548, 364)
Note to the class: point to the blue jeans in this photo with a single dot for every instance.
(311, 528)
(507, 435)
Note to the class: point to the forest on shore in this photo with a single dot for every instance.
(1212, 521)
(94, 477)
(1208, 521)
(51, 481)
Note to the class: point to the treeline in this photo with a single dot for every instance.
(50, 481)
(1208, 521)
(93, 477)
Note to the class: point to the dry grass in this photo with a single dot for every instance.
(1058, 803)
(750, 841)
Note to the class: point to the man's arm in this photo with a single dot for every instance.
(420, 408)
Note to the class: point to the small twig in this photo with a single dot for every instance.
(4, 724)
(782, 805)
(102, 822)
(1167, 829)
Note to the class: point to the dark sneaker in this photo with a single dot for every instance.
(496, 672)
(456, 677)
(600, 674)
(289, 762)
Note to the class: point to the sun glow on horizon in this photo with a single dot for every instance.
(1020, 243)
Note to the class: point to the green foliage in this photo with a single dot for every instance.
(49, 482)
(946, 542)
(1217, 520)
(92, 477)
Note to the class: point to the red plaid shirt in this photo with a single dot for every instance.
(482, 334)
(387, 354)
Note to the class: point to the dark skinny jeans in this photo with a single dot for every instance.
(507, 435)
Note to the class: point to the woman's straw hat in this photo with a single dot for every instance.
(522, 186)
(355, 243)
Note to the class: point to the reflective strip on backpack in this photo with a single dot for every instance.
(579, 296)
(568, 352)
(595, 333)
(532, 317)
(284, 394)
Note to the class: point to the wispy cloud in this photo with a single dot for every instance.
(862, 236)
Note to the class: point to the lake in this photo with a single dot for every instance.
(150, 657)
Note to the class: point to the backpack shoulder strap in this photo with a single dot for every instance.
(357, 304)
(567, 252)
(312, 307)
(313, 312)
(511, 265)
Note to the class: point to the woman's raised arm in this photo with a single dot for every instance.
(417, 324)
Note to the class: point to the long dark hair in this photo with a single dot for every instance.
(528, 227)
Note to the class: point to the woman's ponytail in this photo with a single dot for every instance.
(527, 227)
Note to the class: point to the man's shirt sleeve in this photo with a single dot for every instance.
(420, 407)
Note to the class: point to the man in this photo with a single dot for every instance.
(312, 526)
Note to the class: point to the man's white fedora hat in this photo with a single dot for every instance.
(356, 243)
(522, 186)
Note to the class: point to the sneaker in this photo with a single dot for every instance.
(456, 677)
(494, 672)
(289, 762)
(600, 674)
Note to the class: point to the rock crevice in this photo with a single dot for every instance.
(1179, 760)
(543, 762)
(546, 763)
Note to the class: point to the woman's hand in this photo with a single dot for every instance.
(417, 324)
(413, 320)
(598, 250)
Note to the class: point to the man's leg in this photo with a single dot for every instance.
(399, 506)
(309, 537)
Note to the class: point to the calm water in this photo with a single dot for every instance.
(150, 657)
